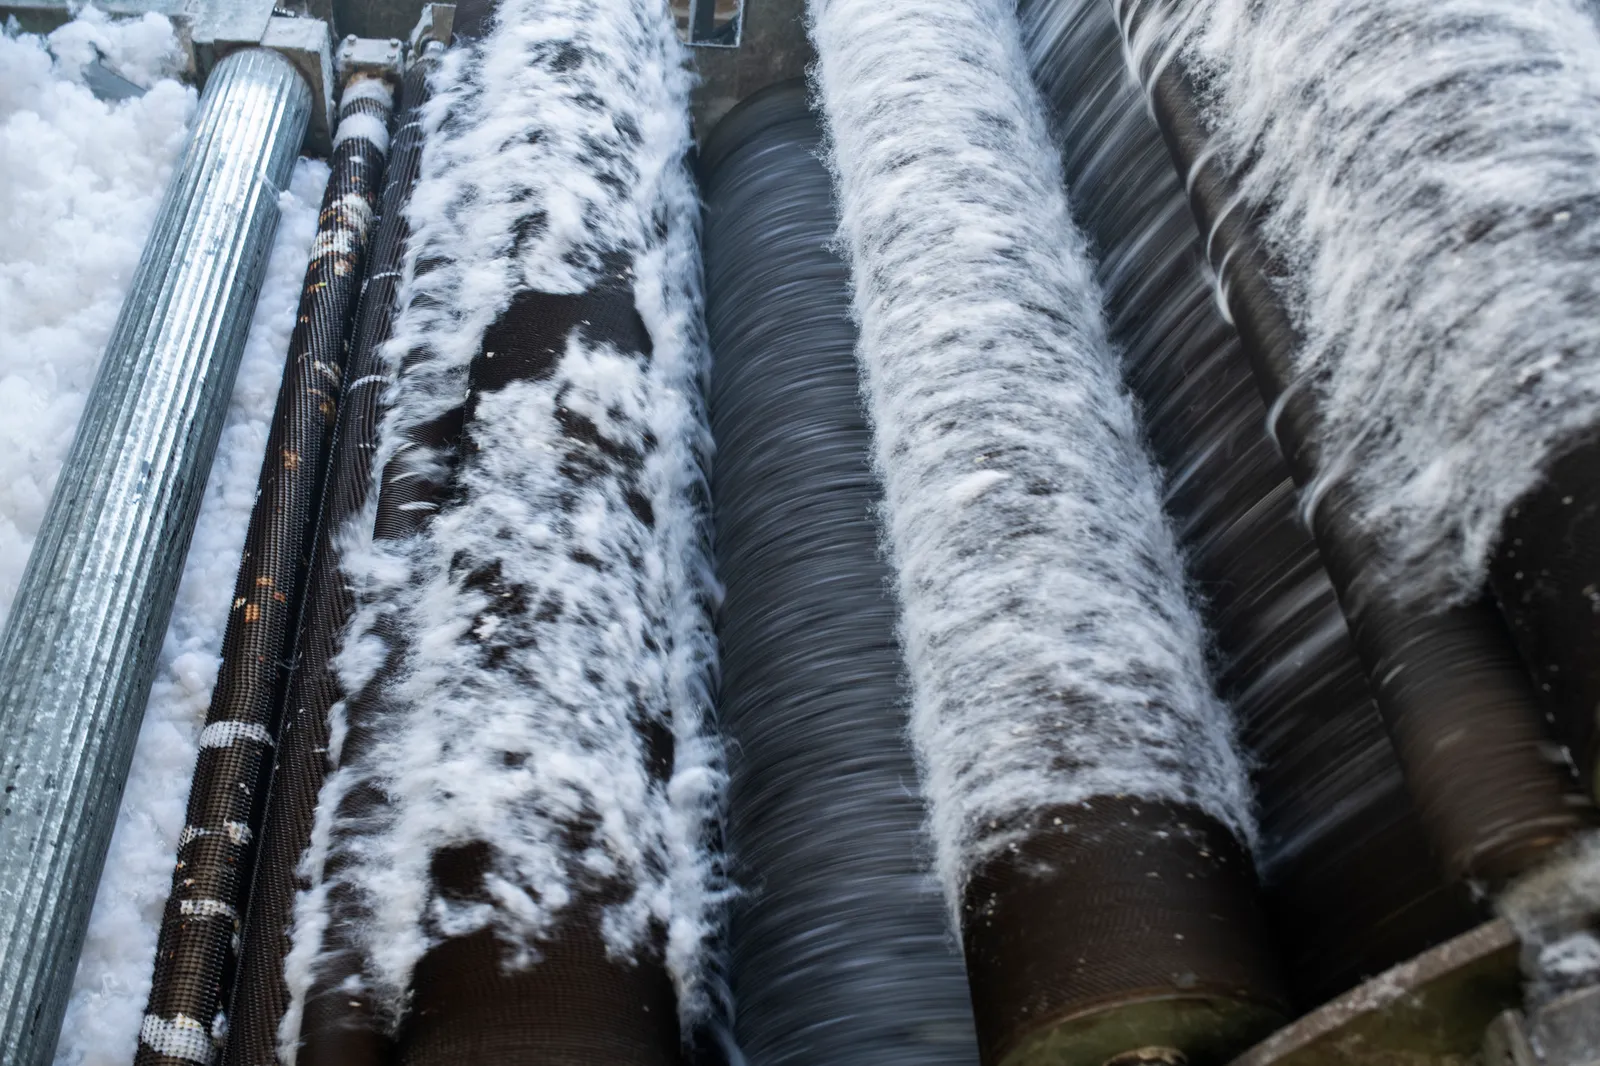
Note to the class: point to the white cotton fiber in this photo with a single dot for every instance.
(112, 985)
(1053, 650)
(545, 621)
(80, 182)
(1428, 177)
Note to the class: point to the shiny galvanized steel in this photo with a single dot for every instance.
(78, 654)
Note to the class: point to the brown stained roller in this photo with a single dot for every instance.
(1546, 578)
(260, 994)
(574, 1009)
(1459, 708)
(1119, 924)
(341, 1026)
(575, 1005)
(196, 957)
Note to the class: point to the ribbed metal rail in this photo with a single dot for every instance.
(79, 651)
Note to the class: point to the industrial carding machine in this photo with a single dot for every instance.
(1418, 885)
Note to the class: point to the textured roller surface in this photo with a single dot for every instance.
(525, 780)
(1053, 651)
(1350, 880)
(1461, 712)
(1056, 660)
(261, 995)
(329, 1017)
(77, 656)
(840, 949)
(196, 956)
(1432, 211)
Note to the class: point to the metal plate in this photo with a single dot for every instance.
(1430, 1011)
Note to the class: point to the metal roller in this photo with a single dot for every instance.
(1083, 796)
(197, 953)
(338, 1025)
(577, 1003)
(1493, 806)
(565, 442)
(77, 656)
(840, 949)
(1350, 880)
(260, 995)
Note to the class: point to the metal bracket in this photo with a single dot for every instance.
(370, 57)
(307, 44)
(715, 23)
(1563, 1032)
(217, 27)
(436, 25)
(1566, 1030)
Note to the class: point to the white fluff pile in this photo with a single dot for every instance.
(80, 182)
(546, 621)
(112, 985)
(1054, 652)
(1552, 909)
(1428, 174)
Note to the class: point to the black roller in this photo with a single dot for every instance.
(340, 1027)
(260, 995)
(578, 1004)
(841, 950)
(1350, 880)
(196, 956)
(533, 616)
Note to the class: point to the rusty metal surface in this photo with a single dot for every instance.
(1430, 1011)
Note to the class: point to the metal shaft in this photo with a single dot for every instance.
(79, 650)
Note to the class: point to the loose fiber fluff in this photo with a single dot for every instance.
(1053, 651)
(80, 182)
(1426, 177)
(545, 622)
(112, 984)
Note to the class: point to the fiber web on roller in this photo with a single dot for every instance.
(1348, 875)
(1432, 214)
(511, 860)
(1080, 770)
(196, 956)
(840, 948)
(261, 993)
(1432, 209)
(1460, 710)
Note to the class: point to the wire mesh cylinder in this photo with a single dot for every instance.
(78, 654)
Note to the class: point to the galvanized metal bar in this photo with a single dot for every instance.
(79, 650)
